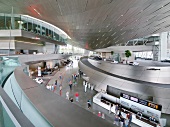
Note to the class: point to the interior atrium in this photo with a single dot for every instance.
(88, 63)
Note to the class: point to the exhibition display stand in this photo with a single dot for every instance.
(114, 100)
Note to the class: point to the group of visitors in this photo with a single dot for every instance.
(50, 87)
(119, 119)
(102, 115)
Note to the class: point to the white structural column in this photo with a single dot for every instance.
(163, 46)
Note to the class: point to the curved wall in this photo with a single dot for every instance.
(158, 91)
(139, 73)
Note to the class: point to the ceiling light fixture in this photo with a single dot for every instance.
(113, 34)
(117, 41)
(37, 12)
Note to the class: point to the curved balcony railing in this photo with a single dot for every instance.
(7, 65)
(10, 115)
(31, 24)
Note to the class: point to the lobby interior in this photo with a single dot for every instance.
(42, 40)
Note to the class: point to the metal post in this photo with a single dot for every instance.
(10, 32)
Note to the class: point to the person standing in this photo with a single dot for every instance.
(89, 103)
(70, 84)
(60, 90)
(116, 120)
(130, 119)
(56, 82)
(99, 114)
(122, 120)
(77, 96)
(85, 87)
(126, 122)
(60, 76)
(67, 95)
(110, 108)
(116, 109)
(103, 115)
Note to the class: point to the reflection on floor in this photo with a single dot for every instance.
(66, 73)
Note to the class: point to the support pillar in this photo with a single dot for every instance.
(163, 46)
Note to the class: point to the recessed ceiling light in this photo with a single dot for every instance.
(121, 15)
(113, 34)
(106, 38)
(108, 42)
(117, 41)
(110, 30)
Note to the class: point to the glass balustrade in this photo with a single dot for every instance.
(7, 65)
(5, 120)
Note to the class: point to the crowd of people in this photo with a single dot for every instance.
(120, 120)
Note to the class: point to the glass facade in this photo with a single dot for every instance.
(70, 49)
(27, 23)
(144, 55)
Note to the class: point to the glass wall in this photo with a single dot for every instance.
(69, 49)
(144, 55)
(31, 24)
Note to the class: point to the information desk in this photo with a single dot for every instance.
(104, 100)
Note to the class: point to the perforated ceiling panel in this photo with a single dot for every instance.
(94, 24)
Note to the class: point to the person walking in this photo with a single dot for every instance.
(103, 115)
(70, 84)
(85, 87)
(60, 76)
(77, 96)
(130, 120)
(110, 108)
(116, 109)
(60, 90)
(89, 103)
(122, 120)
(67, 95)
(126, 122)
(116, 120)
(99, 114)
(56, 82)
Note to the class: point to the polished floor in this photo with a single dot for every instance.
(66, 73)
